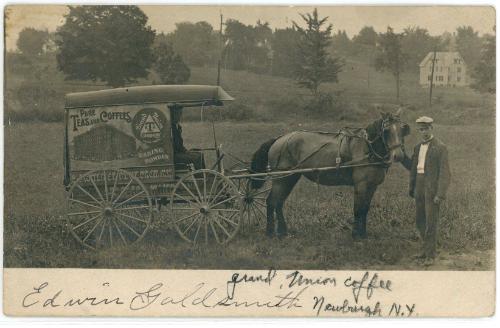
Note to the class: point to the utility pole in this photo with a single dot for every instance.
(220, 51)
(432, 78)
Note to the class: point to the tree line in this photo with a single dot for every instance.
(115, 44)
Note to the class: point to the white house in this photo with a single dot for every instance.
(449, 69)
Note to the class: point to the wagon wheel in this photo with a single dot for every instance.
(107, 208)
(206, 206)
(254, 202)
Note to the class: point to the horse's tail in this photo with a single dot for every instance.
(259, 163)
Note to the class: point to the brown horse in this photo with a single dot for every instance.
(367, 153)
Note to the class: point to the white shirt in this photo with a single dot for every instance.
(421, 157)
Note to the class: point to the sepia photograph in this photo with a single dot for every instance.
(246, 137)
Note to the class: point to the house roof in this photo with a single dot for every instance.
(445, 57)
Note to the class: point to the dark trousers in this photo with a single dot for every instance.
(427, 217)
(182, 160)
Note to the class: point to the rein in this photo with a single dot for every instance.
(380, 135)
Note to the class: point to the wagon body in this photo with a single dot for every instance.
(129, 129)
(120, 169)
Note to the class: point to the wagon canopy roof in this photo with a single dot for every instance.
(185, 95)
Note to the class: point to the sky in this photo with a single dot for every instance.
(436, 19)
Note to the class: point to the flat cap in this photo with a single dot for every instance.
(424, 120)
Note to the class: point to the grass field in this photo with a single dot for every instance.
(318, 217)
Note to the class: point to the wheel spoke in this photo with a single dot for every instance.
(85, 191)
(224, 201)
(123, 190)
(226, 210)
(125, 201)
(222, 228)
(227, 220)
(126, 225)
(132, 217)
(83, 213)
(220, 192)
(214, 232)
(257, 208)
(197, 232)
(256, 215)
(206, 231)
(262, 191)
(102, 232)
(186, 217)
(114, 186)
(259, 203)
(212, 187)
(106, 194)
(189, 191)
(110, 234)
(92, 230)
(87, 221)
(120, 233)
(191, 225)
(131, 208)
(197, 189)
(183, 208)
(204, 186)
(186, 200)
(95, 187)
(86, 204)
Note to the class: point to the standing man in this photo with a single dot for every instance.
(429, 180)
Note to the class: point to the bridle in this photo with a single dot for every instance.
(386, 123)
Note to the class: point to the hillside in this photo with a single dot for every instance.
(357, 95)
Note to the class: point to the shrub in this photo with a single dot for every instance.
(40, 101)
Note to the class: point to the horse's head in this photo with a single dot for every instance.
(393, 132)
(387, 136)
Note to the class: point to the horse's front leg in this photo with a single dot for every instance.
(363, 194)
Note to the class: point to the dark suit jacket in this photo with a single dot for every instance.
(437, 170)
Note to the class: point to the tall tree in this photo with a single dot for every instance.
(169, 66)
(484, 72)
(314, 65)
(31, 42)
(366, 36)
(468, 45)
(284, 43)
(390, 56)
(197, 43)
(240, 45)
(417, 43)
(109, 43)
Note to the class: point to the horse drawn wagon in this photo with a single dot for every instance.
(120, 169)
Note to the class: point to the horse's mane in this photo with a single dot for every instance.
(372, 130)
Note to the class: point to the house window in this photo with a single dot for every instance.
(458, 78)
(459, 69)
(428, 77)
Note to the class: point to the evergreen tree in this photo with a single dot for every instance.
(390, 56)
(314, 65)
(169, 66)
(485, 71)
